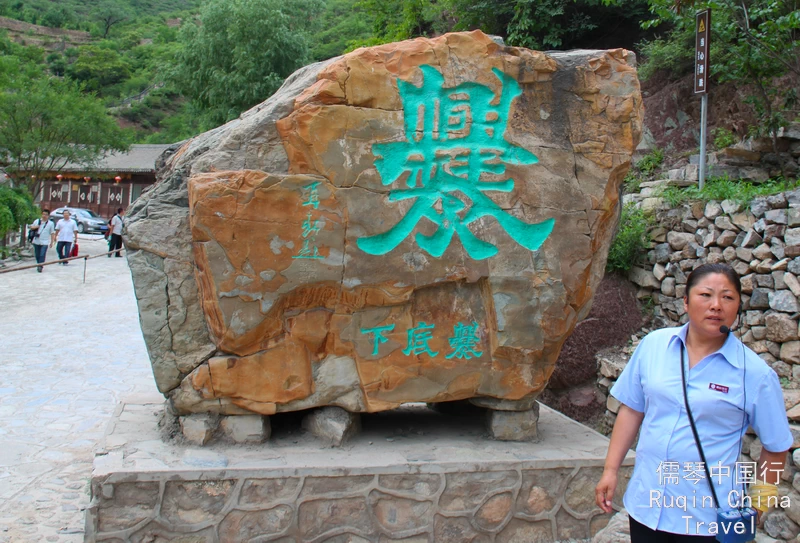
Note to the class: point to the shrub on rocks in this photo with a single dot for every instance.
(630, 241)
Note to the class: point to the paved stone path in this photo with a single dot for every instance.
(69, 352)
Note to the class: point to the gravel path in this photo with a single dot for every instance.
(68, 352)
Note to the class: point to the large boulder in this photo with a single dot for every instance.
(419, 221)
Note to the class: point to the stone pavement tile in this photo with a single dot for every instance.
(61, 387)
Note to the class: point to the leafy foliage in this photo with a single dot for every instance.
(631, 240)
(723, 138)
(108, 14)
(632, 182)
(155, 66)
(98, 68)
(723, 188)
(88, 16)
(640, 171)
(557, 24)
(240, 53)
(123, 69)
(343, 23)
(675, 55)
(754, 42)
(651, 161)
(47, 122)
(16, 209)
(538, 24)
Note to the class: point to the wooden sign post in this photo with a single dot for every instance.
(701, 64)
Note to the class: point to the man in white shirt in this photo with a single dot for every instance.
(66, 235)
(115, 240)
(43, 236)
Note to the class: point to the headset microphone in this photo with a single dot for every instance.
(724, 329)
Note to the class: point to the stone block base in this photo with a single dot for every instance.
(411, 475)
(332, 424)
(514, 425)
(198, 429)
(245, 428)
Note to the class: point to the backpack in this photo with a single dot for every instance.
(107, 233)
(33, 234)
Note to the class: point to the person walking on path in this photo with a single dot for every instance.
(115, 241)
(66, 235)
(693, 391)
(43, 236)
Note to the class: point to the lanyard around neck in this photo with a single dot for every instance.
(694, 428)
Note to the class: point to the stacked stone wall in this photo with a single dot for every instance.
(762, 243)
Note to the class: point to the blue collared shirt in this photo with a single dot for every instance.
(669, 483)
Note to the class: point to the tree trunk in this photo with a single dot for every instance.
(23, 235)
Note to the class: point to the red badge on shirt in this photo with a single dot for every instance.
(718, 388)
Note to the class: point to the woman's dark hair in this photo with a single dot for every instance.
(708, 269)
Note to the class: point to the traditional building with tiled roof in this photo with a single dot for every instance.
(115, 180)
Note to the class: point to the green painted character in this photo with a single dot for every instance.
(418, 338)
(464, 341)
(310, 227)
(312, 195)
(453, 137)
(308, 251)
(377, 335)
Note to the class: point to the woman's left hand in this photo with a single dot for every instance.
(604, 491)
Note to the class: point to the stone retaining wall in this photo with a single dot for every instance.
(503, 505)
(762, 244)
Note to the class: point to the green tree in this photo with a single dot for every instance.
(29, 56)
(753, 43)
(396, 20)
(342, 23)
(109, 13)
(98, 68)
(58, 17)
(241, 51)
(771, 26)
(46, 122)
(537, 24)
(16, 210)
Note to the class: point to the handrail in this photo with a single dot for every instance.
(79, 257)
(29, 266)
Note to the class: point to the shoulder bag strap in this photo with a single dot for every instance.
(694, 428)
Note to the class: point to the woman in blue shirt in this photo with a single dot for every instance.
(728, 388)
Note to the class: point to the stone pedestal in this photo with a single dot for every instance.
(245, 428)
(332, 424)
(514, 425)
(410, 475)
(198, 429)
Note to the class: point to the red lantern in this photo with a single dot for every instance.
(86, 179)
(117, 179)
(59, 177)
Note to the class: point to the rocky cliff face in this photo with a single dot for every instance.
(420, 221)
